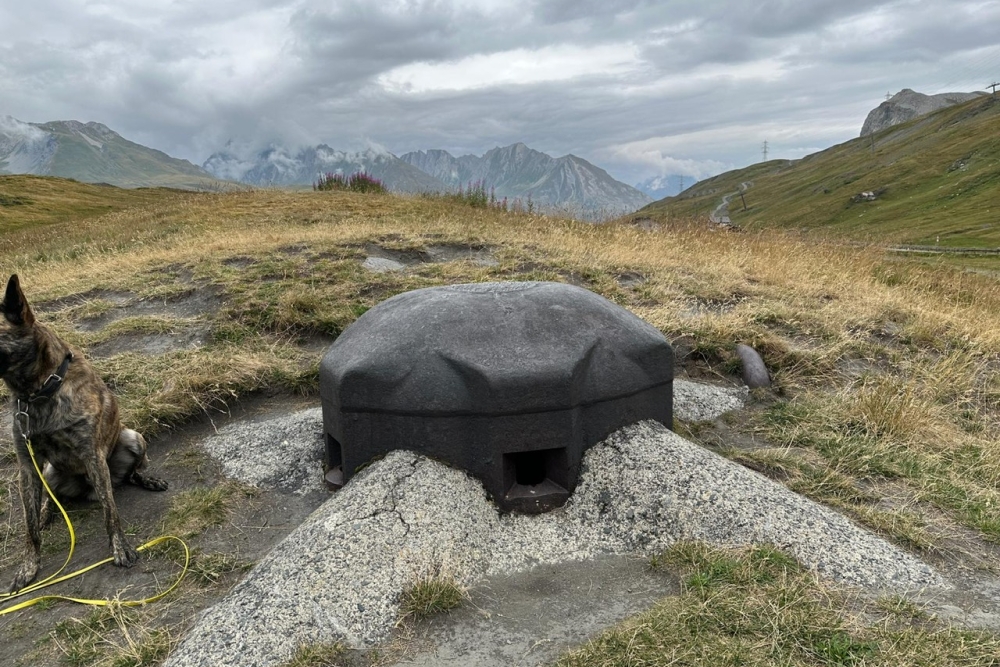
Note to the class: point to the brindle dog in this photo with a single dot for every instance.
(71, 418)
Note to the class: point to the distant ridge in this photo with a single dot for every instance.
(517, 171)
(91, 153)
(277, 166)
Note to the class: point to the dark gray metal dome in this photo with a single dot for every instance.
(510, 381)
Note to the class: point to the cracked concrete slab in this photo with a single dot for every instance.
(339, 576)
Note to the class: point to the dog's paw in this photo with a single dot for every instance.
(24, 576)
(45, 516)
(125, 554)
(149, 482)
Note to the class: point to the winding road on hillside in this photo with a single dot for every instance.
(720, 215)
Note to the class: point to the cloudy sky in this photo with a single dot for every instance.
(639, 88)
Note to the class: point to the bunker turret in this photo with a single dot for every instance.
(510, 381)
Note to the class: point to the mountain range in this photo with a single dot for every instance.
(278, 166)
(567, 183)
(92, 153)
(519, 172)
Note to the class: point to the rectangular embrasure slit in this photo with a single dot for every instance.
(334, 463)
(537, 476)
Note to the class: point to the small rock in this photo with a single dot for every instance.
(754, 371)
(382, 265)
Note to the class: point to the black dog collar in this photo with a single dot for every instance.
(53, 382)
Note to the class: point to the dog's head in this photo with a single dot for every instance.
(16, 323)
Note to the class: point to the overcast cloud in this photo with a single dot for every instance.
(639, 88)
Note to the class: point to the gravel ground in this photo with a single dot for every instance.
(697, 402)
(285, 453)
(339, 575)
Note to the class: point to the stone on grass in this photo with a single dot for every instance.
(755, 373)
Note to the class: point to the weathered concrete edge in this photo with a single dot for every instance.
(338, 577)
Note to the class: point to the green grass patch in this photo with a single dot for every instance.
(318, 655)
(193, 511)
(758, 607)
(41, 200)
(13, 200)
(433, 595)
(922, 199)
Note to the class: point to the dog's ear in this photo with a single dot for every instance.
(15, 306)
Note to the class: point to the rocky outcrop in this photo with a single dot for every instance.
(907, 105)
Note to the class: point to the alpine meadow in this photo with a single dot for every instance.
(884, 403)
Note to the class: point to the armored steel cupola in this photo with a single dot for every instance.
(510, 381)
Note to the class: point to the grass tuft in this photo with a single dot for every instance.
(112, 636)
(208, 569)
(193, 511)
(357, 182)
(317, 655)
(430, 596)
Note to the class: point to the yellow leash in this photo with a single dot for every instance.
(55, 578)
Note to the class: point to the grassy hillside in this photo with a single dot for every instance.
(39, 200)
(886, 403)
(937, 179)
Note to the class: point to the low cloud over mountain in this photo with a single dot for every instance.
(92, 153)
(518, 172)
(279, 166)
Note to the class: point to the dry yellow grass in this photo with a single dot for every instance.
(885, 371)
(886, 368)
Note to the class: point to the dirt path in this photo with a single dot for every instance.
(252, 522)
(720, 215)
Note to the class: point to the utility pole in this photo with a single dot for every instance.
(994, 87)
(680, 188)
(764, 149)
(888, 96)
